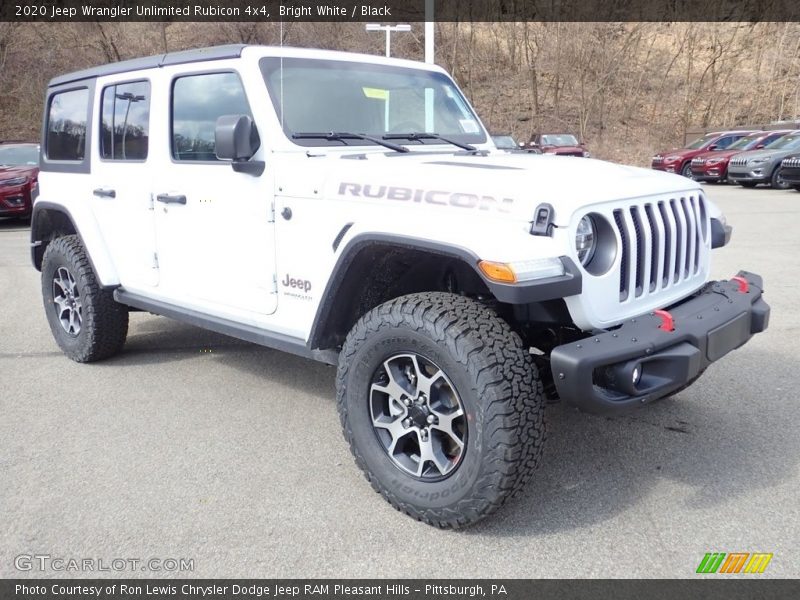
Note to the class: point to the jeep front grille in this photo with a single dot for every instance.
(738, 162)
(698, 161)
(663, 244)
(791, 162)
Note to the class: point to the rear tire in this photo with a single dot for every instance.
(466, 357)
(87, 324)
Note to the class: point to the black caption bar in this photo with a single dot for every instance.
(405, 589)
(399, 10)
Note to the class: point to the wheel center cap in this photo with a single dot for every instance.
(418, 416)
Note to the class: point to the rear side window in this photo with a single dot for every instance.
(197, 102)
(125, 121)
(66, 125)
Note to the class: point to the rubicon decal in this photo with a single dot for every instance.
(440, 197)
(734, 562)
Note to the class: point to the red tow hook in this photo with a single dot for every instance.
(667, 322)
(744, 285)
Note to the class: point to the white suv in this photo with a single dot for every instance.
(352, 209)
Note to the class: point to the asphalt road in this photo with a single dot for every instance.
(193, 445)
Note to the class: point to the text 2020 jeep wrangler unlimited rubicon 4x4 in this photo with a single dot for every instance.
(352, 209)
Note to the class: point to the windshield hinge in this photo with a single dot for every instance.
(542, 223)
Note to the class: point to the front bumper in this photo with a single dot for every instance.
(756, 175)
(15, 201)
(596, 373)
(705, 173)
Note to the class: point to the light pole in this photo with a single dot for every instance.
(388, 29)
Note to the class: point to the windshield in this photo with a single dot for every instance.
(17, 155)
(700, 142)
(315, 96)
(787, 142)
(746, 142)
(504, 142)
(559, 139)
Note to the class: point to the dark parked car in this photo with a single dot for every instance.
(563, 144)
(19, 178)
(790, 171)
(506, 142)
(679, 160)
(763, 166)
(713, 166)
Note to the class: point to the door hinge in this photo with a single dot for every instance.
(272, 212)
(152, 203)
(155, 260)
(275, 283)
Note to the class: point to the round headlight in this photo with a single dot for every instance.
(585, 240)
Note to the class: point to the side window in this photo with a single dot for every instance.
(197, 102)
(125, 121)
(66, 125)
(726, 141)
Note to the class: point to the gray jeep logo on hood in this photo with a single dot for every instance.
(440, 197)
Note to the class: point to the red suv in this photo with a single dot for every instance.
(713, 166)
(19, 178)
(563, 144)
(679, 160)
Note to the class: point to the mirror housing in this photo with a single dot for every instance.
(759, 147)
(712, 147)
(236, 139)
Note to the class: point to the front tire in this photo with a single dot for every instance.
(778, 182)
(442, 407)
(86, 322)
(686, 171)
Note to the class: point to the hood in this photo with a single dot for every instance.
(12, 172)
(494, 185)
(718, 154)
(768, 154)
(682, 152)
(562, 149)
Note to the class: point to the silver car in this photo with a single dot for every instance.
(763, 166)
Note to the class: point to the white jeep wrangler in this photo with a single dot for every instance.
(352, 209)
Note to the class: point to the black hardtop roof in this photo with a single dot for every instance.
(153, 62)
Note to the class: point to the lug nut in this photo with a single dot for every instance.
(431, 419)
(424, 435)
(407, 401)
(406, 423)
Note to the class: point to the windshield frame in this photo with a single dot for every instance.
(34, 147)
(269, 64)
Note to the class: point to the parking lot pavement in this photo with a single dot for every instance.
(193, 445)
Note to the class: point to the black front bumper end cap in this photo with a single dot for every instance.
(597, 374)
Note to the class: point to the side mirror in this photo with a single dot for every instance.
(759, 146)
(712, 147)
(236, 139)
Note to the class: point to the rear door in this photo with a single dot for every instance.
(121, 179)
(214, 226)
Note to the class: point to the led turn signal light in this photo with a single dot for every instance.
(497, 271)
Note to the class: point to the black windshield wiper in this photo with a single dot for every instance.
(414, 135)
(341, 136)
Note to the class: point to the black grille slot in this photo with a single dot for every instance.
(668, 258)
(637, 227)
(655, 241)
(680, 251)
(623, 270)
(691, 238)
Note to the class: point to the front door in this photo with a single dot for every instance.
(214, 226)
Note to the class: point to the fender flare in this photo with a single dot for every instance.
(96, 248)
(539, 290)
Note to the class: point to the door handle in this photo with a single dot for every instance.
(105, 193)
(168, 199)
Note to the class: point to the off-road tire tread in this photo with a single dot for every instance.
(105, 321)
(506, 381)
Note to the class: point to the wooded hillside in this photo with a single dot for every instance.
(629, 89)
